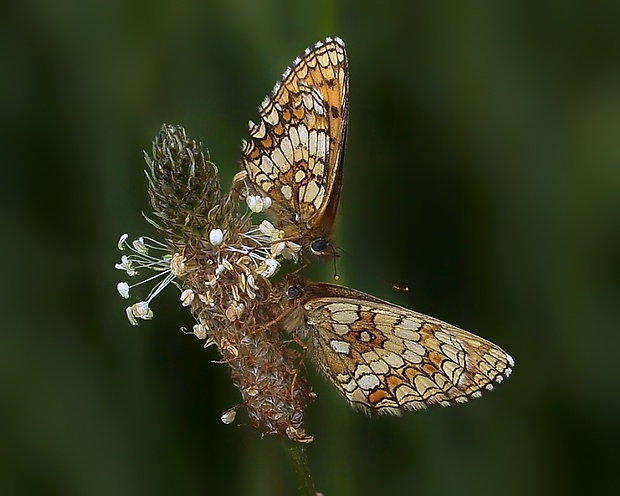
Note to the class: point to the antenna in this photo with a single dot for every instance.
(336, 276)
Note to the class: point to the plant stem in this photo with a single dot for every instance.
(296, 454)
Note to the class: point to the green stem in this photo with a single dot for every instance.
(296, 454)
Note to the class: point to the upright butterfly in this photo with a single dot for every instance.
(387, 358)
(296, 149)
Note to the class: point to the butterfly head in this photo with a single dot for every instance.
(322, 247)
(318, 246)
(318, 240)
(294, 292)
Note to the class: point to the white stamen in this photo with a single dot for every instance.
(130, 316)
(140, 246)
(266, 227)
(123, 289)
(142, 310)
(251, 282)
(269, 267)
(127, 266)
(121, 241)
(187, 297)
(277, 248)
(228, 417)
(200, 331)
(258, 203)
(255, 203)
(216, 236)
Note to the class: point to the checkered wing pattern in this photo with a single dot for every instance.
(386, 358)
(296, 148)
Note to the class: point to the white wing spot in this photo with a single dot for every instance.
(415, 347)
(300, 175)
(341, 329)
(394, 360)
(403, 392)
(407, 334)
(311, 191)
(408, 324)
(451, 352)
(271, 116)
(266, 165)
(303, 135)
(349, 384)
(280, 160)
(287, 149)
(312, 142)
(294, 135)
(368, 381)
(444, 337)
(378, 366)
(341, 347)
(323, 59)
(308, 101)
(412, 357)
(321, 146)
(345, 317)
(287, 191)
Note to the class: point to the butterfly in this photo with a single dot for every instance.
(386, 358)
(296, 149)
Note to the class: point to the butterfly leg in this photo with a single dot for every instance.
(304, 350)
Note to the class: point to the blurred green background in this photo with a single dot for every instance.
(482, 171)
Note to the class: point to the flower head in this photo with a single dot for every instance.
(222, 264)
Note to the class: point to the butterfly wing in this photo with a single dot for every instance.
(387, 358)
(296, 149)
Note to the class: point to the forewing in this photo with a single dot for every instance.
(387, 358)
(295, 151)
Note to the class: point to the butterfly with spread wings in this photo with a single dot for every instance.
(386, 358)
(296, 149)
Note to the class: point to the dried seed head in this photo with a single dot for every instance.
(222, 264)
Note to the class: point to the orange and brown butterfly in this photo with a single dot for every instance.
(386, 358)
(296, 150)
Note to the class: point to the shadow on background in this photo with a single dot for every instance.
(482, 171)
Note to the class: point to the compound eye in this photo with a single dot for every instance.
(319, 245)
(294, 292)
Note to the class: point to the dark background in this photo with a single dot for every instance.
(482, 171)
